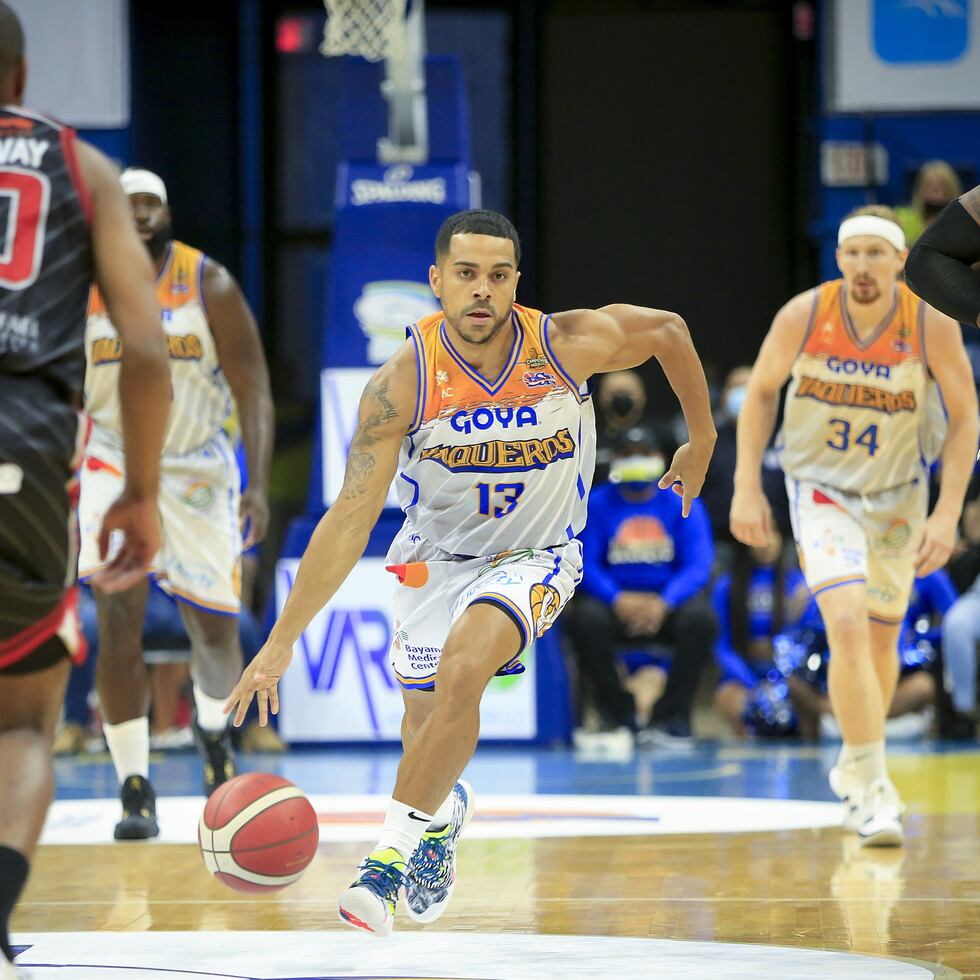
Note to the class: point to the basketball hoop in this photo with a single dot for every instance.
(393, 30)
(372, 29)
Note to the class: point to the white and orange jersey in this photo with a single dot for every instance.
(492, 465)
(861, 415)
(202, 398)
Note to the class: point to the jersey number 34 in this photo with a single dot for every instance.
(842, 440)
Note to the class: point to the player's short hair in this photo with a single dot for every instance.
(11, 40)
(876, 211)
(476, 222)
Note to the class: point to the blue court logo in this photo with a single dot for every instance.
(910, 31)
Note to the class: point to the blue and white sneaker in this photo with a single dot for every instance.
(432, 870)
(370, 902)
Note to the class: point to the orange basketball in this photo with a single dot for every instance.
(258, 832)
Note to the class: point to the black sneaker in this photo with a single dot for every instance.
(139, 805)
(960, 727)
(218, 756)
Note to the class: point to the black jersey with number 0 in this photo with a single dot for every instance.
(45, 251)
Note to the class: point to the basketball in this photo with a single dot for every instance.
(258, 833)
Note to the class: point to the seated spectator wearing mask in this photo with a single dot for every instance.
(621, 399)
(645, 567)
(719, 482)
(936, 184)
(757, 600)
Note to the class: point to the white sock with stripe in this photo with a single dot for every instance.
(403, 829)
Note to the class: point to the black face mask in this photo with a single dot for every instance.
(622, 404)
(930, 210)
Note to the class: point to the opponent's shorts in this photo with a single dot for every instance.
(530, 586)
(845, 537)
(41, 438)
(199, 561)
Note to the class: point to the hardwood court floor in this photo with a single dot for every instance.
(804, 888)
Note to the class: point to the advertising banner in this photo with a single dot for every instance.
(340, 686)
(899, 55)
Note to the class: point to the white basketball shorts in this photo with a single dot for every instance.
(200, 556)
(530, 586)
(845, 537)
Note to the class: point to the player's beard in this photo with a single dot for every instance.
(157, 243)
(474, 338)
(867, 297)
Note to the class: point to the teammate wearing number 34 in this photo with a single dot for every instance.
(483, 418)
(880, 387)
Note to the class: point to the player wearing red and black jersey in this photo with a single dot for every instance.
(65, 221)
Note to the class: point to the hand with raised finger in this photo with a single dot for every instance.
(686, 474)
(750, 517)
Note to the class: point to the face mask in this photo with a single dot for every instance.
(622, 404)
(640, 470)
(734, 399)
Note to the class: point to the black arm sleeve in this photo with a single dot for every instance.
(938, 267)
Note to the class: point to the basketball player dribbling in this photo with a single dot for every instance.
(867, 361)
(485, 418)
(66, 219)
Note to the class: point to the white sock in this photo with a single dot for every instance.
(444, 815)
(403, 829)
(129, 746)
(210, 711)
(867, 761)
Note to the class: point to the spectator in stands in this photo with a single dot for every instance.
(645, 567)
(757, 600)
(936, 184)
(720, 478)
(915, 692)
(621, 401)
(961, 633)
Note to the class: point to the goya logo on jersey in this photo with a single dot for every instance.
(848, 365)
(512, 457)
(108, 350)
(857, 395)
(483, 418)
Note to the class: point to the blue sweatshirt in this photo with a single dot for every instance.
(645, 547)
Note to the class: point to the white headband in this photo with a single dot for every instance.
(871, 224)
(137, 181)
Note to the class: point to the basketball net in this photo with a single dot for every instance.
(393, 30)
(372, 29)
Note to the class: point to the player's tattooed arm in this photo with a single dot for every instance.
(377, 425)
(385, 413)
